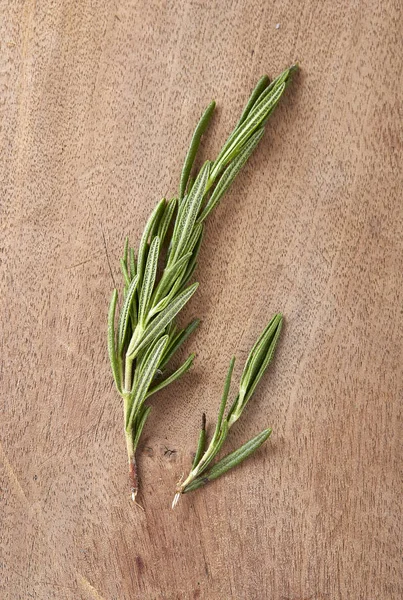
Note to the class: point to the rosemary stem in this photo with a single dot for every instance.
(128, 374)
(182, 485)
(195, 472)
(133, 478)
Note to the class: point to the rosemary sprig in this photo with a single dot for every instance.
(255, 366)
(156, 278)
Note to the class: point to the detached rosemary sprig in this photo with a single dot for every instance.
(255, 366)
(156, 278)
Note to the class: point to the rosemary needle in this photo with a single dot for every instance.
(156, 277)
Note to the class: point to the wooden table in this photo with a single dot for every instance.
(99, 100)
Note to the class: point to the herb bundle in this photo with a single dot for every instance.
(156, 278)
(258, 360)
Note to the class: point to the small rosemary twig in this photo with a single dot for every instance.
(156, 279)
(255, 366)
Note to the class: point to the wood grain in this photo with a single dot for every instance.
(98, 102)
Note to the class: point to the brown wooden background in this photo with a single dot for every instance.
(98, 102)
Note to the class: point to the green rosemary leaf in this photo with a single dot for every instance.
(179, 213)
(171, 329)
(125, 251)
(125, 273)
(191, 181)
(284, 77)
(273, 87)
(133, 273)
(229, 461)
(178, 373)
(141, 362)
(201, 443)
(260, 87)
(111, 342)
(187, 216)
(157, 326)
(150, 227)
(215, 447)
(232, 409)
(140, 422)
(188, 274)
(133, 265)
(253, 121)
(173, 292)
(269, 90)
(150, 273)
(255, 366)
(255, 95)
(144, 355)
(197, 246)
(235, 458)
(125, 313)
(166, 219)
(261, 352)
(255, 118)
(178, 340)
(194, 238)
(264, 109)
(195, 484)
(147, 375)
(168, 278)
(267, 117)
(224, 400)
(194, 145)
(230, 173)
(258, 347)
(193, 261)
(270, 348)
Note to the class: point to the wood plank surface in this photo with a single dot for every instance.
(98, 101)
